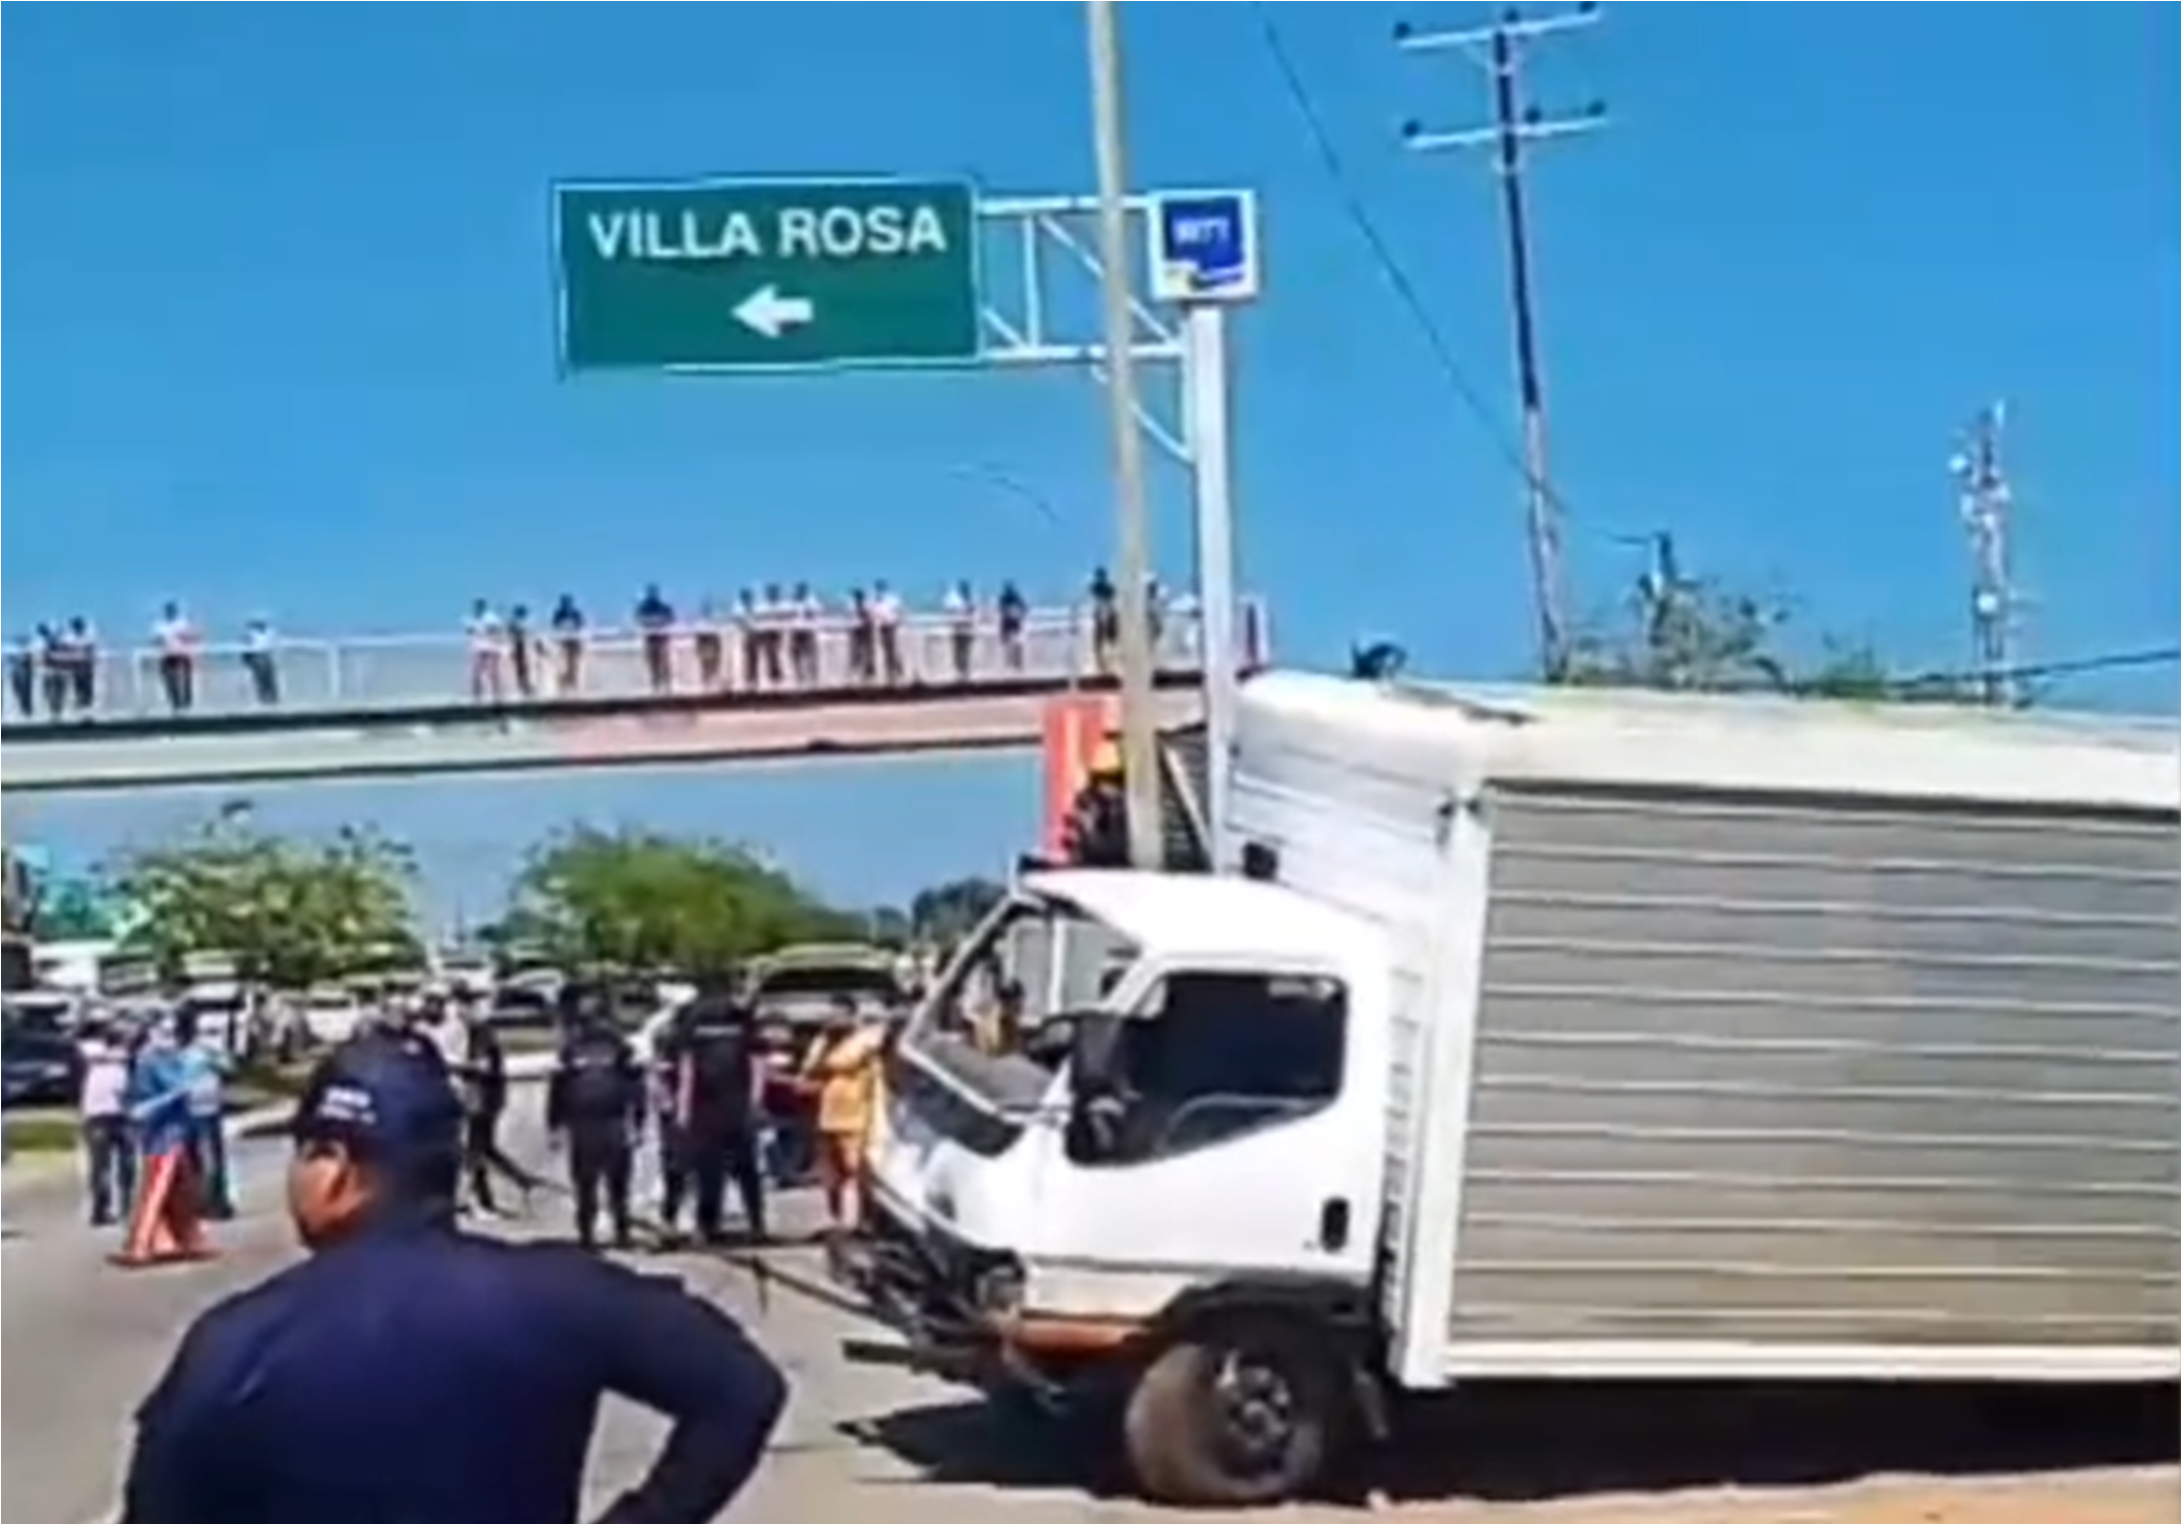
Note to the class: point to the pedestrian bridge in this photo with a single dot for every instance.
(424, 705)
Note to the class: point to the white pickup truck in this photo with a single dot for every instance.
(1567, 1035)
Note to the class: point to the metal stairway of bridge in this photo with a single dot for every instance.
(1183, 764)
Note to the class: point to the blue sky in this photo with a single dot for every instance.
(278, 337)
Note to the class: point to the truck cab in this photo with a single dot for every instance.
(1187, 1134)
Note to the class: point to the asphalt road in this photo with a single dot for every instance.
(84, 1341)
(865, 1440)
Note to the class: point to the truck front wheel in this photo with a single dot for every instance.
(1233, 1417)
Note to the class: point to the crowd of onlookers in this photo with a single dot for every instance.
(771, 638)
(55, 671)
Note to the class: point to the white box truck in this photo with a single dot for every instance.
(1567, 1035)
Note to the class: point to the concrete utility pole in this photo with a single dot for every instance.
(1986, 502)
(1516, 125)
(1132, 558)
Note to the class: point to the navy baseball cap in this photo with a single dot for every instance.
(386, 1095)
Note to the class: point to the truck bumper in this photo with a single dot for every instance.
(929, 1291)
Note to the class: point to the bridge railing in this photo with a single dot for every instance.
(362, 674)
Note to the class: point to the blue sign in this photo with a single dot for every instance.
(1204, 247)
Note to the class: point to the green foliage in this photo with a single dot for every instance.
(1694, 637)
(291, 913)
(17, 898)
(40, 1133)
(890, 926)
(945, 913)
(633, 901)
(71, 912)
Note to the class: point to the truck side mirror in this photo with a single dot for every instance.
(1094, 1048)
(1094, 1101)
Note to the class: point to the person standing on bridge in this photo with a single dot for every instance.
(23, 676)
(886, 624)
(567, 623)
(408, 1370)
(1014, 613)
(806, 614)
(1105, 620)
(710, 647)
(655, 627)
(960, 606)
(175, 638)
(487, 637)
(523, 649)
(772, 634)
(79, 648)
(863, 638)
(261, 660)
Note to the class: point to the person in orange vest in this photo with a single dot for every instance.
(1096, 831)
(844, 1066)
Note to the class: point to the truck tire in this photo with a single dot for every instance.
(1235, 1417)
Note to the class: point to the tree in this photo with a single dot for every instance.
(946, 913)
(1698, 635)
(890, 926)
(1685, 636)
(290, 913)
(16, 901)
(633, 901)
(72, 911)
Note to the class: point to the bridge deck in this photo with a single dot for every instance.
(309, 683)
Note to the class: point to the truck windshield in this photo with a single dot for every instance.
(990, 1024)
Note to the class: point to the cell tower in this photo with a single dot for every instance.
(1516, 126)
(1986, 500)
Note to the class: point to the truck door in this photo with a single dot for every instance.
(1217, 1145)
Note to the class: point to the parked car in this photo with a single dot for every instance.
(38, 1067)
(794, 991)
(60, 1011)
(331, 1014)
(523, 1007)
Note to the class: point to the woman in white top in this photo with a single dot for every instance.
(961, 610)
(487, 638)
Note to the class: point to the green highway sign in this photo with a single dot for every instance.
(754, 275)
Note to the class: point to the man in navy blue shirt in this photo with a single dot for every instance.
(408, 1371)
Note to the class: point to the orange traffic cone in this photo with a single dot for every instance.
(165, 1228)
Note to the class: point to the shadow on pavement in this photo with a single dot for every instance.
(979, 1443)
(1543, 1441)
(1534, 1443)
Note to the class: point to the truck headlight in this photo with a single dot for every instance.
(998, 1291)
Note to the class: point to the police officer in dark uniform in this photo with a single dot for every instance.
(408, 1370)
(710, 1051)
(595, 1100)
(483, 1083)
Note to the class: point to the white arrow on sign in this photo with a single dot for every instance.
(765, 311)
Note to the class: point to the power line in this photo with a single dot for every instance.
(1517, 125)
(2022, 682)
(2077, 667)
(1452, 370)
(1532, 126)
